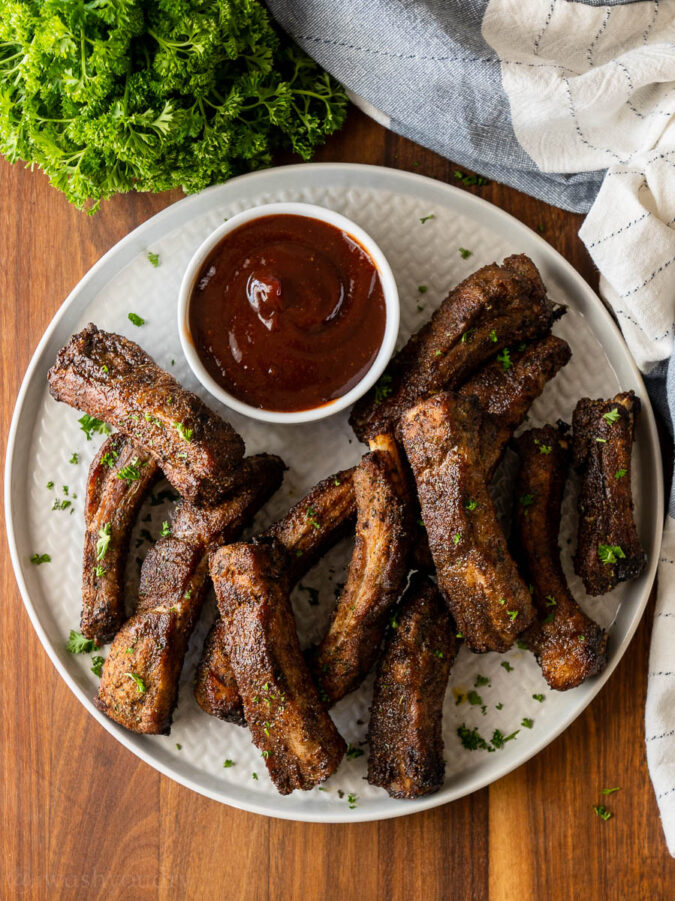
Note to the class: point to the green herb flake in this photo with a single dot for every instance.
(99, 571)
(427, 218)
(526, 500)
(507, 666)
(527, 722)
(352, 752)
(311, 518)
(228, 763)
(109, 458)
(179, 747)
(465, 254)
(254, 776)
(504, 358)
(131, 472)
(601, 440)
(471, 504)
(522, 644)
(78, 644)
(97, 665)
(185, 433)
(166, 529)
(612, 416)
(539, 698)
(474, 698)
(610, 553)
(620, 473)
(104, 535)
(493, 336)
(61, 504)
(382, 388)
(39, 559)
(140, 684)
(75, 459)
(422, 289)
(481, 680)
(456, 538)
(153, 259)
(512, 615)
(602, 812)
(610, 791)
(91, 425)
(50, 485)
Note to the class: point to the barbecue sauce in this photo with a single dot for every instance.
(287, 313)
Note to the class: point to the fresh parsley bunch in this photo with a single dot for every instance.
(113, 95)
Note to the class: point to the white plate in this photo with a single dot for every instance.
(388, 204)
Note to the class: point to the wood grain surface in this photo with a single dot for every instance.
(83, 817)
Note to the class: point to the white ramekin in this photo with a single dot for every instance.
(389, 290)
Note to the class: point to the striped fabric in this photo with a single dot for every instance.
(574, 103)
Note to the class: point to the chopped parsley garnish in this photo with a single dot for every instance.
(153, 258)
(507, 666)
(393, 622)
(109, 458)
(526, 500)
(499, 739)
(456, 538)
(620, 473)
(499, 706)
(97, 665)
(601, 440)
(543, 448)
(61, 504)
(549, 618)
(228, 763)
(353, 753)
(140, 684)
(610, 791)
(382, 388)
(602, 812)
(459, 635)
(512, 614)
(610, 553)
(104, 534)
(582, 638)
(522, 644)
(422, 289)
(465, 254)
(351, 800)
(539, 698)
(472, 740)
(99, 571)
(131, 472)
(426, 218)
(439, 654)
(527, 722)
(468, 180)
(313, 594)
(264, 754)
(493, 336)
(466, 336)
(550, 600)
(50, 485)
(481, 680)
(78, 644)
(38, 559)
(471, 504)
(504, 358)
(179, 747)
(185, 434)
(311, 518)
(437, 353)
(136, 320)
(91, 425)
(612, 416)
(254, 776)
(166, 529)
(474, 698)
(74, 459)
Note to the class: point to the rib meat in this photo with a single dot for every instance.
(608, 547)
(507, 388)
(288, 722)
(476, 574)
(113, 379)
(119, 479)
(139, 684)
(495, 307)
(406, 720)
(309, 529)
(374, 582)
(568, 645)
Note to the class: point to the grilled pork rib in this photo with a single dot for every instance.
(608, 547)
(113, 379)
(406, 720)
(119, 479)
(309, 529)
(375, 579)
(495, 307)
(476, 574)
(299, 742)
(568, 645)
(139, 684)
(506, 389)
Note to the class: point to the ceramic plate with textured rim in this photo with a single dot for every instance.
(44, 435)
